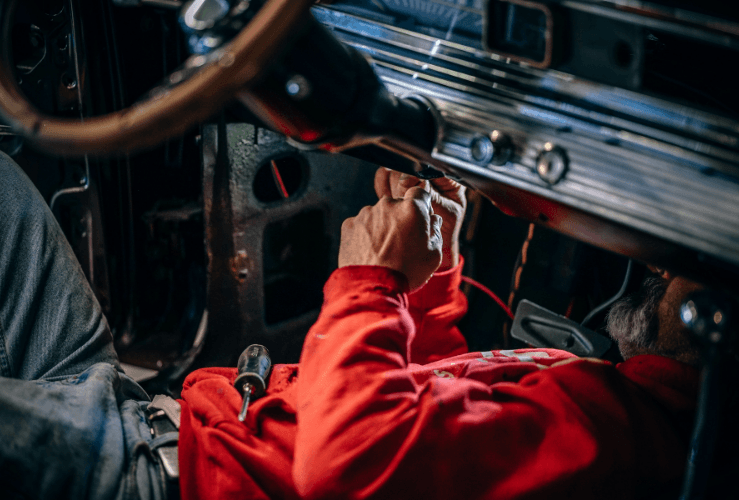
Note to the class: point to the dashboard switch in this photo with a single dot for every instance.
(495, 149)
(502, 147)
(481, 150)
(551, 163)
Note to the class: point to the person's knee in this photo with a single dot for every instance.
(17, 193)
(11, 173)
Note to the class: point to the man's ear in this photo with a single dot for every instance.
(662, 272)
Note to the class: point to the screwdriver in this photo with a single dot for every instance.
(253, 367)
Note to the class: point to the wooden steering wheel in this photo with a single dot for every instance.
(168, 111)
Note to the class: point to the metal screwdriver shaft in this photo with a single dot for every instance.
(253, 367)
(245, 404)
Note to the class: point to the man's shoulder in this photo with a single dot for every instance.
(671, 381)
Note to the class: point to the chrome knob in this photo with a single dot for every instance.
(496, 149)
(551, 163)
(502, 147)
(481, 150)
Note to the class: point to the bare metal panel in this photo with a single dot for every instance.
(261, 255)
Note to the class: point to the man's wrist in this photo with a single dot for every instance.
(349, 276)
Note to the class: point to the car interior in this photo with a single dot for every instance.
(202, 155)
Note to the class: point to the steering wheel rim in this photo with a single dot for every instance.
(159, 117)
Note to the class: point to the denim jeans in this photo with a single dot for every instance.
(72, 424)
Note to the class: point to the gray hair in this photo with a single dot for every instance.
(633, 321)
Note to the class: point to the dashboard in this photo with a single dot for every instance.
(615, 138)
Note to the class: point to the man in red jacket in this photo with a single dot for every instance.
(386, 402)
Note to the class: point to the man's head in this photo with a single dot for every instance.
(648, 321)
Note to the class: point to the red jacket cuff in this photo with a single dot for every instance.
(352, 279)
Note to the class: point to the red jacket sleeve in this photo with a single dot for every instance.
(367, 429)
(436, 308)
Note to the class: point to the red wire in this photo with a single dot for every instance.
(490, 293)
(278, 178)
(570, 306)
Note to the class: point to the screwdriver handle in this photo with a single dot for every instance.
(253, 368)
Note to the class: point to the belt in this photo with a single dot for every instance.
(163, 416)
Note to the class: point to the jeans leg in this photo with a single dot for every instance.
(73, 426)
(85, 436)
(51, 325)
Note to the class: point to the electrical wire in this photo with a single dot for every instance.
(516, 280)
(490, 294)
(278, 179)
(570, 307)
(522, 259)
(613, 299)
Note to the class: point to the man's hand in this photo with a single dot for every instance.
(447, 199)
(403, 234)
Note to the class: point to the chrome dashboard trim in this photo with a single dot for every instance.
(667, 169)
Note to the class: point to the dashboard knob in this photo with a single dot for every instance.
(551, 163)
(502, 147)
(496, 149)
(481, 150)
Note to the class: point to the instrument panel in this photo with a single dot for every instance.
(596, 157)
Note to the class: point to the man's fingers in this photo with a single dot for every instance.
(420, 194)
(444, 184)
(382, 182)
(393, 183)
(348, 224)
(396, 184)
(448, 188)
(405, 182)
(436, 223)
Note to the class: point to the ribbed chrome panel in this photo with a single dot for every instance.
(664, 168)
